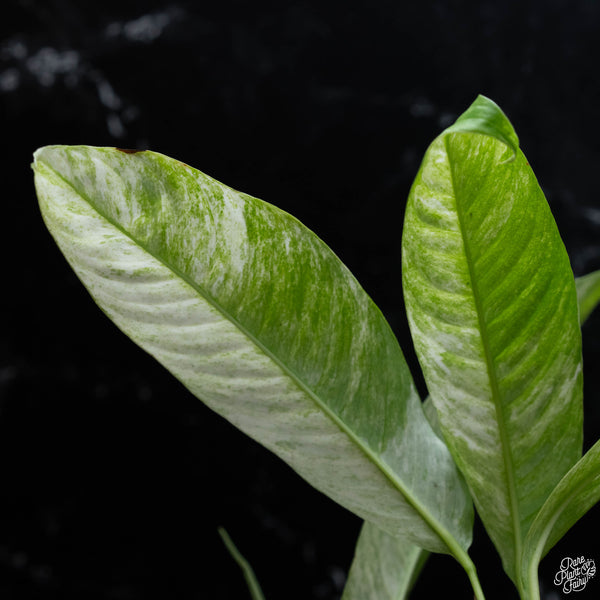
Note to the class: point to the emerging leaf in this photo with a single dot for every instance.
(259, 319)
(576, 493)
(493, 312)
(588, 294)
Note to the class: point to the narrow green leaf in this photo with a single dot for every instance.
(259, 319)
(493, 312)
(575, 494)
(588, 294)
(384, 567)
(247, 570)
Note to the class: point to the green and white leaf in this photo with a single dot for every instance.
(384, 567)
(259, 319)
(493, 312)
(588, 294)
(577, 492)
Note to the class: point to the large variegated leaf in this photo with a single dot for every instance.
(259, 319)
(384, 567)
(588, 294)
(493, 312)
(576, 493)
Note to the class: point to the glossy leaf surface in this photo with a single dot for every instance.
(384, 567)
(259, 319)
(493, 312)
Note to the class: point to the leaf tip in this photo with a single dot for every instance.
(44, 154)
(484, 116)
(38, 154)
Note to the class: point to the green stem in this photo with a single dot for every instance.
(249, 576)
(534, 586)
(469, 567)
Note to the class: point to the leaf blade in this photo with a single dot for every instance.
(489, 291)
(230, 294)
(384, 567)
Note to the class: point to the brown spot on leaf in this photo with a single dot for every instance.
(128, 150)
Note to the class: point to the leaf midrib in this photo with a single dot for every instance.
(429, 519)
(492, 377)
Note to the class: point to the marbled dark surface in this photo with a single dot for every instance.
(113, 478)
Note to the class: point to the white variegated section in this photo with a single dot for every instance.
(233, 373)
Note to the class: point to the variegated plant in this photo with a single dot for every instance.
(232, 295)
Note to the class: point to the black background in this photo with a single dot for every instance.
(113, 478)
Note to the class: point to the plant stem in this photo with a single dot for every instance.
(534, 589)
(467, 564)
(249, 576)
(533, 582)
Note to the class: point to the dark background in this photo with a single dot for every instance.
(113, 478)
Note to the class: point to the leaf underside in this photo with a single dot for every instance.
(493, 312)
(259, 319)
(384, 567)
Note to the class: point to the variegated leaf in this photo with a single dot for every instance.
(493, 312)
(259, 319)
